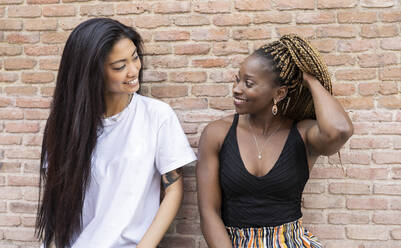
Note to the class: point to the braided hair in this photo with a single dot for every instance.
(291, 55)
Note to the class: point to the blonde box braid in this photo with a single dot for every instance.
(292, 55)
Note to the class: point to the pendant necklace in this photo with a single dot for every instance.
(267, 138)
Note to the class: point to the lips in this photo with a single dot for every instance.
(132, 82)
(239, 101)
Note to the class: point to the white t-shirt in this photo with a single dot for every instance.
(136, 147)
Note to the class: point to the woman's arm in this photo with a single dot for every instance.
(209, 193)
(332, 127)
(174, 190)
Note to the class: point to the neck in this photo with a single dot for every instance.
(264, 122)
(115, 103)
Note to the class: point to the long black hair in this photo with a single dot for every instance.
(73, 126)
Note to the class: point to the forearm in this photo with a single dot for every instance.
(331, 118)
(214, 231)
(164, 217)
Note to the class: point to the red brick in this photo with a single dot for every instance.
(348, 218)
(166, 91)
(189, 228)
(355, 74)
(22, 37)
(59, 10)
(54, 37)
(10, 24)
(191, 49)
(23, 181)
(368, 89)
(210, 63)
(349, 188)
(179, 242)
(272, 17)
(324, 45)
(390, 102)
(387, 128)
(312, 217)
(396, 234)
(10, 139)
(41, 50)
(41, 25)
(366, 203)
(171, 7)
(327, 231)
(33, 102)
(32, 140)
(19, 63)
(251, 34)
(368, 173)
(211, 7)
(166, 62)
(387, 189)
(221, 103)
(337, 60)
(396, 173)
(372, 116)
(377, 4)
(387, 157)
(369, 143)
(336, 31)
(11, 114)
(354, 157)
(343, 89)
(323, 202)
(228, 48)
(157, 49)
(325, 173)
(37, 77)
(5, 102)
(42, 1)
(9, 220)
(7, 77)
(306, 32)
(252, 5)
(189, 103)
(357, 102)
(329, 4)
(192, 20)
(23, 154)
(390, 73)
(36, 114)
(20, 90)
(231, 20)
(131, 8)
(210, 34)
(97, 10)
(24, 11)
(20, 235)
(314, 188)
(293, 4)
(377, 60)
(356, 45)
(390, 43)
(393, 16)
(356, 17)
(18, 127)
(375, 31)
(171, 35)
(189, 129)
(210, 90)
(193, 117)
(389, 88)
(11, 1)
(10, 50)
(316, 18)
(188, 77)
(49, 64)
(13, 168)
(367, 232)
(27, 221)
(151, 21)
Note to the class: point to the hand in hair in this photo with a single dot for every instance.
(307, 79)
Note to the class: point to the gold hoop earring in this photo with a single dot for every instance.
(274, 108)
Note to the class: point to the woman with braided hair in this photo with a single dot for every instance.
(253, 165)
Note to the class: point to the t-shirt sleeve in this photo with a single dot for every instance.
(173, 150)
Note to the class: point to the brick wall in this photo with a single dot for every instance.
(193, 48)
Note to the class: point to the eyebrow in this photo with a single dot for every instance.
(122, 60)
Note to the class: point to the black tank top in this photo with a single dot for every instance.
(270, 200)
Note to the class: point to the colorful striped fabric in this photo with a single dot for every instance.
(289, 235)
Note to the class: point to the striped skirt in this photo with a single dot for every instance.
(289, 235)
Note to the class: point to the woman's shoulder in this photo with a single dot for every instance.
(156, 107)
(217, 130)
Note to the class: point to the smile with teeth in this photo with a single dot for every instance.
(238, 100)
(132, 82)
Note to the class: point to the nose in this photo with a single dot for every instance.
(133, 70)
(237, 88)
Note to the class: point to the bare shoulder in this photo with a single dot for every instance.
(216, 131)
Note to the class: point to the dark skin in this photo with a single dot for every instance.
(254, 93)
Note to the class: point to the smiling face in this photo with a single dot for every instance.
(254, 88)
(122, 67)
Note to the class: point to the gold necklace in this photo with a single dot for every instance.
(256, 142)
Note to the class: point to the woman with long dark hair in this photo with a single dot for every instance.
(253, 165)
(106, 148)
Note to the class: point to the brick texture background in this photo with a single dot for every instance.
(193, 48)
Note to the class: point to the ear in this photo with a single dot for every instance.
(280, 93)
